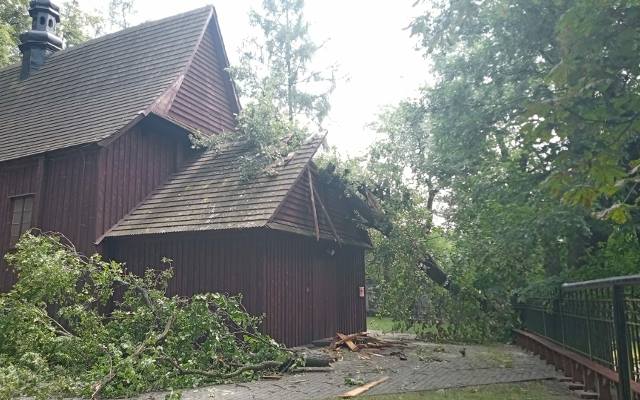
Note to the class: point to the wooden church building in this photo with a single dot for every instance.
(94, 143)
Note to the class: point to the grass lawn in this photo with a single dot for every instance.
(382, 324)
(521, 391)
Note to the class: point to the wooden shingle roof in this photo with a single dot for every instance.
(210, 194)
(92, 91)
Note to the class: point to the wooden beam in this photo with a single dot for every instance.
(326, 214)
(359, 390)
(313, 205)
(38, 206)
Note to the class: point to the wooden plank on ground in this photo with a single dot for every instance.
(347, 340)
(359, 390)
(344, 337)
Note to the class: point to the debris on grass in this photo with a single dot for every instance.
(353, 381)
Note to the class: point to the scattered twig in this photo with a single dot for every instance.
(61, 329)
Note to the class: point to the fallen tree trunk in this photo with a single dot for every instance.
(318, 360)
(367, 207)
(375, 218)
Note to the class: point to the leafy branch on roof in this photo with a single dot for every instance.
(285, 100)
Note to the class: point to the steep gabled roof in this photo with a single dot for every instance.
(210, 194)
(95, 90)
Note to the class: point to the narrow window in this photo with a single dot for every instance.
(22, 207)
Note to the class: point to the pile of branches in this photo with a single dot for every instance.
(77, 326)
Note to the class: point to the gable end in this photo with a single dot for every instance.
(295, 214)
(206, 100)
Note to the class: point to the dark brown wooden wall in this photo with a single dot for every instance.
(64, 189)
(82, 192)
(203, 262)
(296, 212)
(132, 167)
(304, 292)
(16, 178)
(69, 199)
(311, 294)
(205, 99)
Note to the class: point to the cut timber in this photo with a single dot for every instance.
(311, 369)
(346, 340)
(343, 338)
(313, 206)
(358, 341)
(359, 390)
(326, 214)
(317, 359)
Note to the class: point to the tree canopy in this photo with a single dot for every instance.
(276, 62)
(76, 25)
(527, 142)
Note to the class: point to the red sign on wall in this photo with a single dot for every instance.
(361, 291)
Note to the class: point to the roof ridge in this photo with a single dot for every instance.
(111, 35)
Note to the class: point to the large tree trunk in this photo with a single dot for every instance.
(374, 217)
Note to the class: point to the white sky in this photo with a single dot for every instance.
(366, 38)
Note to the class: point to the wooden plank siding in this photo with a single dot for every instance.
(64, 198)
(304, 292)
(224, 262)
(69, 197)
(82, 192)
(296, 214)
(16, 178)
(205, 100)
(132, 167)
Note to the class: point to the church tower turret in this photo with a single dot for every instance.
(41, 40)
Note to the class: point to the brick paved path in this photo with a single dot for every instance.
(427, 368)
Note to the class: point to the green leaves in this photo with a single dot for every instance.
(275, 65)
(13, 21)
(285, 101)
(528, 133)
(76, 26)
(57, 341)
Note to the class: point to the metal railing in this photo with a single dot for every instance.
(598, 319)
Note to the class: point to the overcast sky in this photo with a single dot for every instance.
(366, 38)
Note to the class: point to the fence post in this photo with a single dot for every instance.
(588, 317)
(622, 345)
(561, 311)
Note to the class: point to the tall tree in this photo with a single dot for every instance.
(78, 26)
(278, 62)
(120, 13)
(530, 135)
(13, 21)
(535, 103)
(285, 99)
